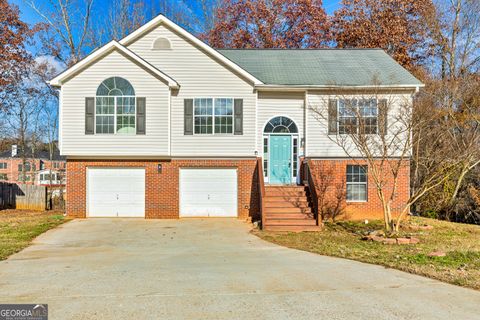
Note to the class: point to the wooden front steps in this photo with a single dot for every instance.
(287, 208)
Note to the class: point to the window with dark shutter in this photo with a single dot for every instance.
(141, 111)
(238, 116)
(332, 116)
(382, 117)
(188, 117)
(89, 115)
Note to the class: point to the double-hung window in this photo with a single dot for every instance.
(213, 116)
(368, 113)
(357, 116)
(3, 165)
(105, 115)
(356, 183)
(115, 107)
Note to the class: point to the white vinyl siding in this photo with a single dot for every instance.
(272, 104)
(199, 75)
(74, 141)
(318, 143)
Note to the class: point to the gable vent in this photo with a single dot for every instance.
(161, 44)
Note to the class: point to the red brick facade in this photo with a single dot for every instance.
(330, 175)
(162, 189)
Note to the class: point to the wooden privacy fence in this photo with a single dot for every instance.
(22, 196)
(8, 192)
(33, 198)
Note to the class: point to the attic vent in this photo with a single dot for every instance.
(161, 44)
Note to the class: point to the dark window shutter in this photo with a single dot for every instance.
(332, 116)
(238, 116)
(188, 116)
(141, 109)
(89, 115)
(382, 117)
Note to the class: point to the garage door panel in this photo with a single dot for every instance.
(116, 192)
(208, 192)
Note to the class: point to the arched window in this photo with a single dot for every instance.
(281, 125)
(115, 86)
(161, 44)
(115, 107)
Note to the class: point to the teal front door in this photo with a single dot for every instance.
(280, 159)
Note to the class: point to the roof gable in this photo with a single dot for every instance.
(109, 47)
(160, 19)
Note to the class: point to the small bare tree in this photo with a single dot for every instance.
(21, 117)
(67, 24)
(380, 128)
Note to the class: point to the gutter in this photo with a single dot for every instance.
(274, 87)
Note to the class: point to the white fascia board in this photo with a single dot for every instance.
(112, 45)
(160, 19)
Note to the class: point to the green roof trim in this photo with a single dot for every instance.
(322, 67)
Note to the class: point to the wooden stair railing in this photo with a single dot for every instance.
(312, 188)
(261, 189)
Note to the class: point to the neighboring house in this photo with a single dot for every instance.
(160, 125)
(39, 169)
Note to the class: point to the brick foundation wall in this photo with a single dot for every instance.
(162, 189)
(330, 176)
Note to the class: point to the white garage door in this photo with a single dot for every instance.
(208, 192)
(116, 192)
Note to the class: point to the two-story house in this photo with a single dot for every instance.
(161, 125)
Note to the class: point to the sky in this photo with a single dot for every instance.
(30, 16)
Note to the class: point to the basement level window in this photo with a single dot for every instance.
(356, 183)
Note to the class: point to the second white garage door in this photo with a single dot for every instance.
(208, 192)
(116, 192)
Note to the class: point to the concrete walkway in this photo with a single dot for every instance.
(210, 269)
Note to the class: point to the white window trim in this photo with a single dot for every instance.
(357, 183)
(266, 157)
(338, 115)
(213, 117)
(115, 115)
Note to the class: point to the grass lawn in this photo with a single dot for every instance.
(19, 227)
(459, 242)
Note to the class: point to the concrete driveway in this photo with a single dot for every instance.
(210, 269)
